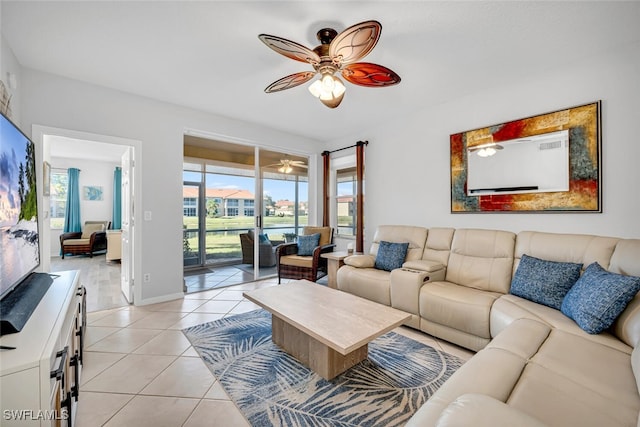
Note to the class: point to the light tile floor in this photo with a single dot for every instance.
(140, 370)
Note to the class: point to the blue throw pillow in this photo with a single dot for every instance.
(391, 255)
(599, 297)
(306, 244)
(263, 238)
(544, 282)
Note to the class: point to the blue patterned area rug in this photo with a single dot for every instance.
(272, 388)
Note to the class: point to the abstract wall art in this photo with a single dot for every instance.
(510, 187)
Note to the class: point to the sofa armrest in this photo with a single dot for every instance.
(423, 265)
(480, 410)
(360, 261)
(405, 285)
(98, 236)
(286, 249)
(70, 235)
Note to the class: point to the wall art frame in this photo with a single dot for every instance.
(585, 164)
(93, 193)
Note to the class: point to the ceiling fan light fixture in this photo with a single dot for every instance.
(329, 89)
(487, 152)
(285, 169)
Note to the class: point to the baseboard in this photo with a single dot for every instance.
(163, 298)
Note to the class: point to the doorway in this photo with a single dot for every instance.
(229, 230)
(98, 155)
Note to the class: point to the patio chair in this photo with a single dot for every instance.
(267, 249)
(296, 261)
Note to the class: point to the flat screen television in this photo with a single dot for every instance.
(19, 245)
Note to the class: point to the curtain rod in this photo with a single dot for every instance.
(326, 153)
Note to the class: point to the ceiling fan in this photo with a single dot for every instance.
(336, 52)
(287, 165)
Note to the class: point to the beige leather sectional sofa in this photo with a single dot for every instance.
(534, 365)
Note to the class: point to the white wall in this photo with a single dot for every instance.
(92, 173)
(407, 162)
(53, 101)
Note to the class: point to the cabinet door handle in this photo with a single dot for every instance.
(58, 374)
(80, 333)
(66, 403)
(75, 390)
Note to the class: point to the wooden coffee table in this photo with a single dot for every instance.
(325, 329)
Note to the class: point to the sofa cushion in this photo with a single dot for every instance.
(306, 244)
(368, 283)
(480, 410)
(509, 308)
(544, 282)
(482, 259)
(391, 255)
(415, 236)
(598, 298)
(459, 307)
(574, 381)
(297, 261)
(91, 228)
(578, 248)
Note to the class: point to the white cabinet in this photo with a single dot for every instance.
(40, 378)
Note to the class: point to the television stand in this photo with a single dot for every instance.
(40, 376)
(18, 306)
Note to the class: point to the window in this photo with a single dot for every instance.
(58, 199)
(190, 206)
(346, 191)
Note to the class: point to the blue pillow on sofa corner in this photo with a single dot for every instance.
(599, 297)
(306, 244)
(391, 255)
(544, 282)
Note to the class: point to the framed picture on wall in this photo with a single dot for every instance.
(545, 163)
(92, 193)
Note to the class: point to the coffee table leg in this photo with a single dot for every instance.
(312, 353)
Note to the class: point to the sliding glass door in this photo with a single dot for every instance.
(240, 202)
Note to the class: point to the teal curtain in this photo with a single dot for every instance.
(72, 218)
(116, 223)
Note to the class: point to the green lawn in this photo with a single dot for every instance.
(223, 241)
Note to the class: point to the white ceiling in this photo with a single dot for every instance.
(207, 56)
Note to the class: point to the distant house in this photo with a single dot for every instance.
(229, 202)
(287, 208)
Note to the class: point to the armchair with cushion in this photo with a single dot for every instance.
(301, 260)
(267, 249)
(92, 238)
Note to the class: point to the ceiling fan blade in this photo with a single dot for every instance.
(290, 81)
(290, 49)
(355, 42)
(370, 75)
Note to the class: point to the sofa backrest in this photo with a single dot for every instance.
(578, 248)
(415, 236)
(626, 260)
(482, 259)
(438, 245)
